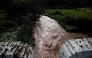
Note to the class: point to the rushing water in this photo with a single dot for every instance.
(49, 36)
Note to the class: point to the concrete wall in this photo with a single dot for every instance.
(15, 50)
(77, 48)
(74, 48)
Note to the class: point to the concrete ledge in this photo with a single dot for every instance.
(77, 48)
(15, 50)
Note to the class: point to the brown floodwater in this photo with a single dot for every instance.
(49, 36)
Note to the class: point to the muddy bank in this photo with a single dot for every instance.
(77, 35)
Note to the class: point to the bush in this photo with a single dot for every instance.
(8, 36)
(24, 34)
(23, 7)
(78, 9)
(57, 12)
(91, 9)
(89, 34)
(7, 26)
(82, 24)
(84, 10)
(68, 20)
(78, 38)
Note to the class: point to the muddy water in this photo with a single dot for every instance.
(49, 36)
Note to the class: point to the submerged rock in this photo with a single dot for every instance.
(49, 36)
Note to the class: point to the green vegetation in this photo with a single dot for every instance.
(78, 38)
(24, 34)
(14, 15)
(73, 20)
(6, 24)
(8, 36)
(18, 29)
(72, 13)
(17, 19)
(11, 31)
(15, 30)
(2, 15)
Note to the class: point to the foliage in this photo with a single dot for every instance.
(57, 12)
(78, 9)
(8, 36)
(78, 38)
(7, 25)
(73, 20)
(69, 3)
(24, 34)
(89, 34)
(23, 7)
(66, 12)
(3, 15)
(81, 24)
(15, 18)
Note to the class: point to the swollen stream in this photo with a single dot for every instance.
(49, 36)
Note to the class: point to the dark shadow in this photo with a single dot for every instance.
(83, 54)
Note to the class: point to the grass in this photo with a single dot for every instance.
(76, 14)
(87, 9)
(74, 20)
(3, 15)
(67, 18)
(8, 36)
(66, 12)
(11, 30)
(23, 34)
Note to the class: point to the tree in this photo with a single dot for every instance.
(20, 8)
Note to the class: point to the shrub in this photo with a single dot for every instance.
(84, 10)
(8, 36)
(9, 24)
(82, 24)
(89, 34)
(24, 34)
(68, 20)
(91, 9)
(78, 37)
(78, 9)
(58, 12)
(6, 25)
